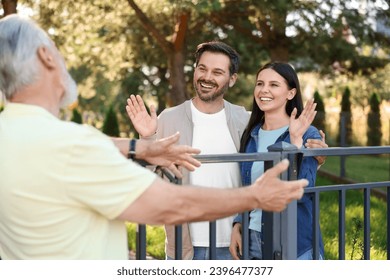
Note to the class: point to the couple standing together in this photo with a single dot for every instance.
(215, 126)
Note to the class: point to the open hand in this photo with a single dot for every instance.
(298, 126)
(235, 247)
(145, 124)
(275, 194)
(165, 152)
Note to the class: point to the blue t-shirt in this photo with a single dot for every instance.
(266, 139)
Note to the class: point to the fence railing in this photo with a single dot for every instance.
(280, 229)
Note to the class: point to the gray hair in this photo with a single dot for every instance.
(20, 39)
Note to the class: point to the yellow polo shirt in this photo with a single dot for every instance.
(61, 187)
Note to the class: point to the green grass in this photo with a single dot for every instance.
(354, 225)
(359, 168)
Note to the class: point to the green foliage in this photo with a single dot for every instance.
(76, 116)
(105, 41)
(1, 108)
(357, 244)
(111, 125)
(155, 240)
(346, 118)
(374, 125)
(319, 121)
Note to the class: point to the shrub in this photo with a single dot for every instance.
(76, 116)
(319, 121)
(346, 116)
(111, 125)
(374, 125)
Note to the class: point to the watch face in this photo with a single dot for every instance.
(131, 153)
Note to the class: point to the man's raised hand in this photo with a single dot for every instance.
(145, 124)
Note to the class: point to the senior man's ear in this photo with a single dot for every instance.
(46, 57)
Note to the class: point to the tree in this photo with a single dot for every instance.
(346, 118)
(324, 34)
(9, 6)
(319, 121)
(109, 42)
(111, 125)
(321, 35)
(374, 125)
(76, 116)
(173, 48)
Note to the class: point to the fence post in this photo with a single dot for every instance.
(178, 233)
(141, 242)
(280, 229)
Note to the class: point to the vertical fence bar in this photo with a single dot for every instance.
(366, 210)
(342, 198)
(245, 235)
(213, 240)
(141, 242)
(316, 226)
(269, 219)
(388, 219)
(178, 242)
(270, 252)
(178, 230)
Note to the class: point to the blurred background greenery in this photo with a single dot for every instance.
(340, 49)
(116, 48)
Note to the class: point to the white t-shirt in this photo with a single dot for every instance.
(61, 187)
(211, 135)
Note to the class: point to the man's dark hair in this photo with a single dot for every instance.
(219, 47)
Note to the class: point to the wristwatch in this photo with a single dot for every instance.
(131, 153)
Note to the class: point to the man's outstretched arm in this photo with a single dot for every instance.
(166, 203)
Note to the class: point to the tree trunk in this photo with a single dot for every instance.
(9, 6)
(175, 52)
(279, 52)
(278, 42)
(178, 91)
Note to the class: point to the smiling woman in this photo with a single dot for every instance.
(278, 115)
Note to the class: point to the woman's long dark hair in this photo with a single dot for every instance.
(288, 73)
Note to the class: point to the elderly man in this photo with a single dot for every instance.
(66, 189)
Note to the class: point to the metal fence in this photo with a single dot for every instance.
(280, 229)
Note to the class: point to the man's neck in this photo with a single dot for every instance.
(211, 107)
(32, 96)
